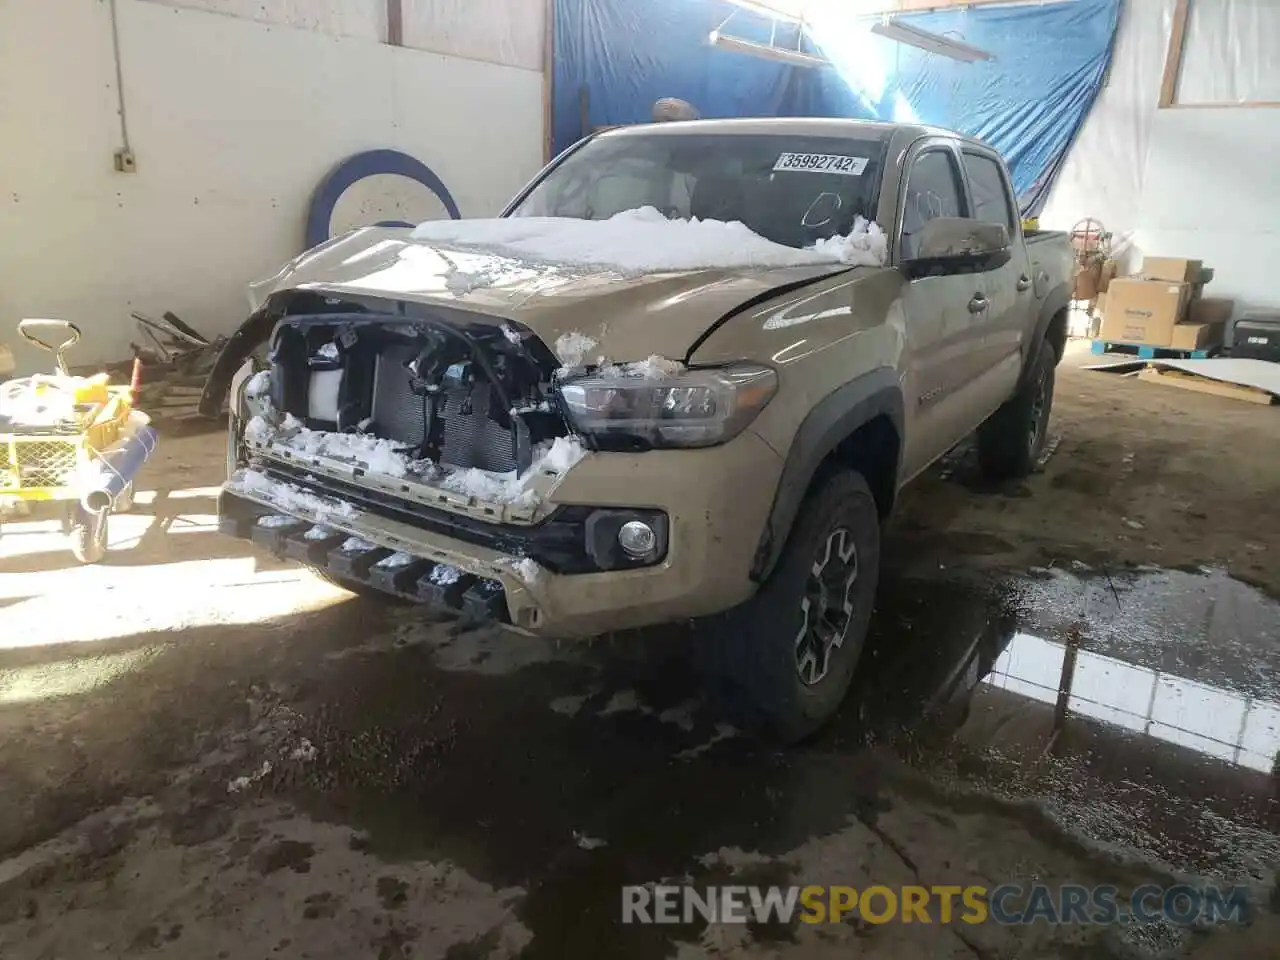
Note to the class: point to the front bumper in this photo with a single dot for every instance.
(716, 501)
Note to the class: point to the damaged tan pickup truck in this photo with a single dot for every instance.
(683, 377)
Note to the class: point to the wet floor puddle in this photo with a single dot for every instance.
(1137, 713)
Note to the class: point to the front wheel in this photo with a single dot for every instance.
(782, 662)
(1011, 440)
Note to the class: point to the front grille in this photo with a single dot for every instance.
(45, 463)
(471, 439)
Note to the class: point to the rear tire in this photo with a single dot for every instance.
(1012, 439)
(782, 662)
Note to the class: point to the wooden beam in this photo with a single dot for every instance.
(395, 23)
(1173, 55)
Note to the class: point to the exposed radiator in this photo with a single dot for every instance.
(470, 439)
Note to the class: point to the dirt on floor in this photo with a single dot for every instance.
(206, 752)
(1142, 474)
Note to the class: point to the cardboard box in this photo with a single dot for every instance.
(1109, 270)
(1210, 310)
(1144, 311)
(1088, 282)
(1197, 336)
(1173, 269)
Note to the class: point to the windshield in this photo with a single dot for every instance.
(791, 190)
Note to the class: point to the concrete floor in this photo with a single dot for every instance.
(208, 753)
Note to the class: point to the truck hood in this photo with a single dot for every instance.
(629, 317)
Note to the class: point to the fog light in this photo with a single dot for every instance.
(637, 538)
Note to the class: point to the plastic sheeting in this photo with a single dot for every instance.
(1102, 176)
(1229, 53)
(620, 56)
(1051, 61)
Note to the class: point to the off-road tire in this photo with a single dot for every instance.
(750, 655)
(1012, 439)
(88, 534)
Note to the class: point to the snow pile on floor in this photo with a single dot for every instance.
(555, 457)
(286, 496)
(644, 241)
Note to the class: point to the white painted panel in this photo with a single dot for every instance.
(364, 19)
(1103, 174)
(1229, 56)
(1211, 193)
(509, 32)
(234, 124)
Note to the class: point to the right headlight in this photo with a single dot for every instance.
(692, 408)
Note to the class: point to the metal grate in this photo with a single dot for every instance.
(470, 439)
(46, 463)
(398, 413)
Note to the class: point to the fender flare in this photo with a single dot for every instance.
(831, 421)
(254, 332)
(1058, 299)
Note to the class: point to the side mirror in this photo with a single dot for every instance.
(949, 245)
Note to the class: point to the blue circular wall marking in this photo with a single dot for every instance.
(360, 166)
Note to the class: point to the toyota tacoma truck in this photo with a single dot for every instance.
(683, 377)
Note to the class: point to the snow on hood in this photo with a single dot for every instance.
(644, 241)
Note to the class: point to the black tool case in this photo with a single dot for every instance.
(1257, 336)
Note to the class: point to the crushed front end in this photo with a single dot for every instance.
(417, 455)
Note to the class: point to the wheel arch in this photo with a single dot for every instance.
(1051, 325)
(859, 425)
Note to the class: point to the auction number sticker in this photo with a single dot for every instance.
(822, 163)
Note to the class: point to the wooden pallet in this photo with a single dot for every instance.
(1145, 351)
(1217, 388)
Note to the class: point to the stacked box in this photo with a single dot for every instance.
(1164, 306)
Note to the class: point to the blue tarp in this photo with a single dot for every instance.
(1029, 102)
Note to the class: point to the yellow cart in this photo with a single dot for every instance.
(76, 440)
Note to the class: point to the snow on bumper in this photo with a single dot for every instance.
(713, 537)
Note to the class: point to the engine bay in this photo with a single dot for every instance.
(465, 396)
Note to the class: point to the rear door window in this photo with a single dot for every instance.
(991, 200)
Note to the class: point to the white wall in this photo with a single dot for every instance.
(1193, 181)
(234, 122)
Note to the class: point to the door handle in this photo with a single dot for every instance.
(1023, 282)
(978, 304)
